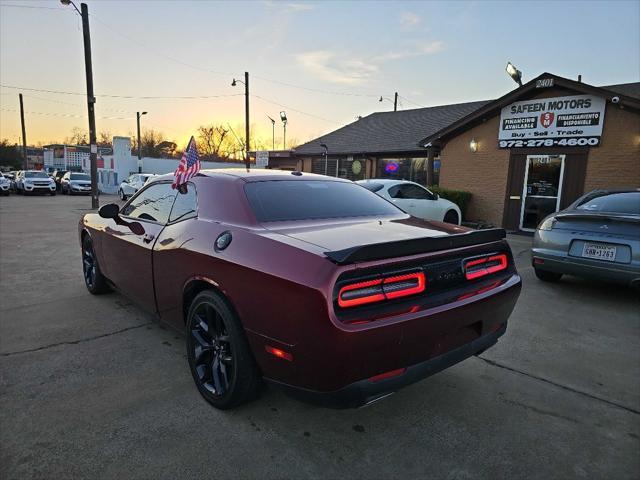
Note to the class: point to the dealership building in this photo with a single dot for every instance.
(522, 156)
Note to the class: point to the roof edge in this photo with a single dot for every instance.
(513, 95)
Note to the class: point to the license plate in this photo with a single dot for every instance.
(599, 252)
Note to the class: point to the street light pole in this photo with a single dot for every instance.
(24, 135)
(138, 115)
(283, 117)
(326, 157)
(246, 119)
(91, 100)
(395, 102)
(273, 133)
(246, 116)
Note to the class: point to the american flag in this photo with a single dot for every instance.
(189, 165)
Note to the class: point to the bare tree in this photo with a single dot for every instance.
(78, 137)
(104, 139)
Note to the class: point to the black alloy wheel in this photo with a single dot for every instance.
(451, 217)
(93, 278)
(220, 360)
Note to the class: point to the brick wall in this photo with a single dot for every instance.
(616, 162)
(483, 173)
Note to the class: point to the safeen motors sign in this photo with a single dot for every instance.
(561, 121)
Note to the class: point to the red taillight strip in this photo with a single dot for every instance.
(481, 272)
(374, 297)
(381, 289)
(419, 276)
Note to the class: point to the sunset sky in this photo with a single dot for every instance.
(324, 63)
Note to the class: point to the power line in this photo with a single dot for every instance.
(145, 97)
(3, 5)
(65, 115)
(295, 109)
(77, 104)
(412, 102)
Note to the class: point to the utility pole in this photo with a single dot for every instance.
(91, 100)
(24, 135)
(246, 119)
(395, 102)
(138, 115)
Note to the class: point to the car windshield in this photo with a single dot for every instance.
(80, 176)
(624, 202)
(35, 175)
(283, 200)
(373, 187)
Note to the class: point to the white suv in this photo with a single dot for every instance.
(35, 181)
(5, 185)
(134, 183)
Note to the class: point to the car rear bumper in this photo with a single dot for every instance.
(367, 391)
(582, 267)
(342, 368)
(551, 253)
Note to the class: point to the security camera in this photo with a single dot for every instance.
(615, 100)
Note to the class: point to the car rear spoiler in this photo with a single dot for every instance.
(604, 216)
(402, 248)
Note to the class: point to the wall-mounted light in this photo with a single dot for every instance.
(473, 145)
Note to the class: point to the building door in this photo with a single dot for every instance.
(542, 189)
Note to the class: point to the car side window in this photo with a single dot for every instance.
(185, 206)
(413, 192)
(152, 204)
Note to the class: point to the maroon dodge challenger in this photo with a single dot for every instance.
(311, 283)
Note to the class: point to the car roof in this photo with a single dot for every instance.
(259, 175)
(386, 181)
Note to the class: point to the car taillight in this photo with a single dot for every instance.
(377, 290)
(479, 267)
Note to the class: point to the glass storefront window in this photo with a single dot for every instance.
(411, 169)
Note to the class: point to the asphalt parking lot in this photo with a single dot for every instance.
(91, 386)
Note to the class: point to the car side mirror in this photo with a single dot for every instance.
(111, 210)
(436, 196)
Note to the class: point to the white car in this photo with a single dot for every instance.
(5, 185)
(414, 199)
(134, 183)
(35, 181)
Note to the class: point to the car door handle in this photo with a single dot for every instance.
(147, 238)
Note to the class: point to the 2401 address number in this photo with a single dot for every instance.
(551, 142)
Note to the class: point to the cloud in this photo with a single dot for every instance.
(409, 20)
(332, 68)
(422, 49)
(285, 7)
(340, 68)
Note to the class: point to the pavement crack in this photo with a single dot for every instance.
(76, 342)
(559, 385)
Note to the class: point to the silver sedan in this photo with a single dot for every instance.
(597, 236)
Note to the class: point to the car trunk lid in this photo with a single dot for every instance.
(601, 223)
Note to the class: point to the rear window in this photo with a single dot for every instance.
(372, 187)
(284, 200)
(626, 203)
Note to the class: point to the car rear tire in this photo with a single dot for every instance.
(546, 276)
(452, 217)
(95, 282)
(220, 359)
